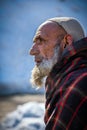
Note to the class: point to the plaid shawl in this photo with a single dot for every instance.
(66, 90)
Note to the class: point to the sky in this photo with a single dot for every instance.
(19, 20)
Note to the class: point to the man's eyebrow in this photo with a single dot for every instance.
(36, 37)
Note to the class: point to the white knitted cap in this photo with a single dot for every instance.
(71, 25)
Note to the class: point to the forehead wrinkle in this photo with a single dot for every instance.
(48, 29)
(40, 34)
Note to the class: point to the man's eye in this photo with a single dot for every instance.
(39, 41)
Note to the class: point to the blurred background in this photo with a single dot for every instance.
(19, 20)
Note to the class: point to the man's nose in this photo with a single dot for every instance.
(34, 50)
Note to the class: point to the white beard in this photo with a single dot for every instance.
(43, 70)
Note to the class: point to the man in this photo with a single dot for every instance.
(60, 51)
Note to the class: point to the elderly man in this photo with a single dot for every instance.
(60, 51)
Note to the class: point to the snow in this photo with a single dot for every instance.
(29, 116)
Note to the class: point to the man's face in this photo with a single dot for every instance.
(46, 52)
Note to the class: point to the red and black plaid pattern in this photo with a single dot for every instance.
(66, 90)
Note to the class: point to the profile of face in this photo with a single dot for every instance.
(46, 51)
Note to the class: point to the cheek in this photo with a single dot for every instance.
(47, 51)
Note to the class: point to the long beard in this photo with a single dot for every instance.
(40, 72)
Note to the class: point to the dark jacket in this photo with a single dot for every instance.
(66, 90)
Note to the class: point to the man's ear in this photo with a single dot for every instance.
(68, 40)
